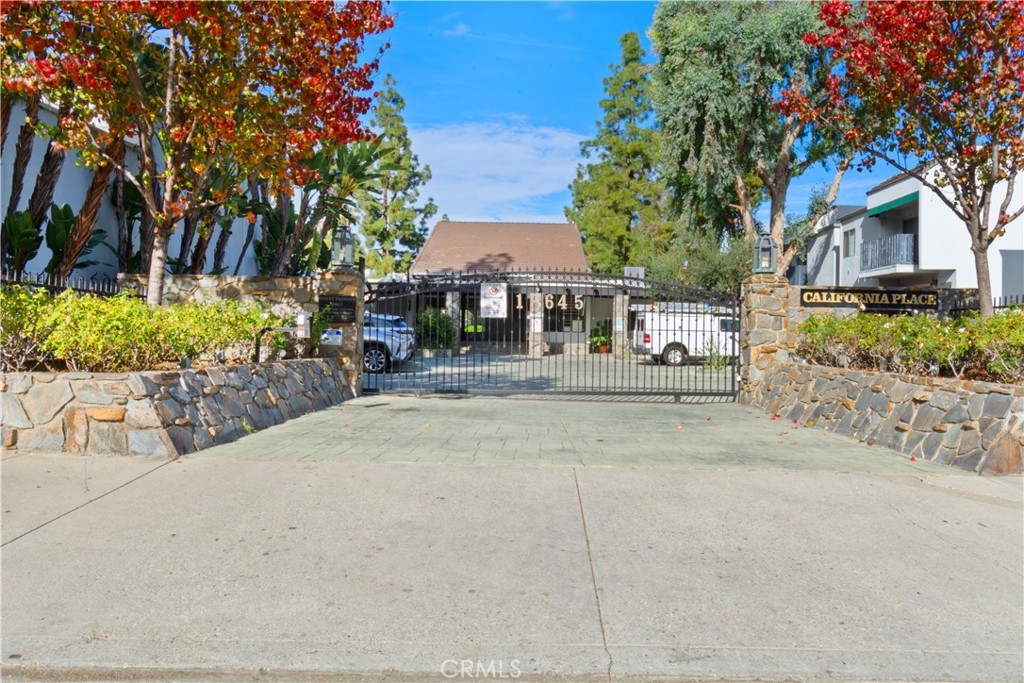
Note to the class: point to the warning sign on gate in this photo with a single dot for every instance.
(493, 300)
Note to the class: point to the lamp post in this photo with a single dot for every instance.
(764, 255)
(343, 248)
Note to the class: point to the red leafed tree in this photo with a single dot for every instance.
(934, 88)
(239, 88)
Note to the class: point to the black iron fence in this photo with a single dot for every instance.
(549, 333)
(963, 305)
(95, 285)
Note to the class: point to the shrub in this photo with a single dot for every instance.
(122, 333)
(109, 335)
(999, 347)
(990, 349)
(25, 324)
(434, 329)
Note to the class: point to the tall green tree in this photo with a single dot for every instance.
(616, 196)
(394, 226)
(718, 89)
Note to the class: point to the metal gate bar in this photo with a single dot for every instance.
(557, 333)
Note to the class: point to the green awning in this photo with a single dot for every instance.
(896, 203)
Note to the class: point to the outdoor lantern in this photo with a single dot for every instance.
(343, 248)
(764, 255)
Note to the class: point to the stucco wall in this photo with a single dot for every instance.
(71, 188)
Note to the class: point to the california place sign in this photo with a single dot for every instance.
(870, 299)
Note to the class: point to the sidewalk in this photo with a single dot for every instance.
(216, 567)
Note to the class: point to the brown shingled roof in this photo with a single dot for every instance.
(486, 247)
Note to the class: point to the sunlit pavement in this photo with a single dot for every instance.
(398, 539)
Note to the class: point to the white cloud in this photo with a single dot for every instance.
(508, 171)
(457, 30)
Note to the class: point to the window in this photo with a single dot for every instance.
(728, 325)
(849, 243)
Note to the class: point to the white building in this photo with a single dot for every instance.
(906, 236)
(71, 188)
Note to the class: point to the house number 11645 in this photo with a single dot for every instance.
(551, 301)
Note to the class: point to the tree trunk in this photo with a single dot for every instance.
(984, 281)
(256, 193)
(85, 222)
(6, 105)
(746, 211)
(147, 231)
(124, 235)
(157, 265)
(188, 233)
(23, 152)
(46, 181)
(207, 224)
(220, 250)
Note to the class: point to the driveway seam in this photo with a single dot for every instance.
(88, 502)
(593, 575)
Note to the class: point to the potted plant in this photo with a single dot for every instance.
(601, 336)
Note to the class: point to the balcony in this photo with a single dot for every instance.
(889, 252)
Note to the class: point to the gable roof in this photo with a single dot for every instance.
(456, 246)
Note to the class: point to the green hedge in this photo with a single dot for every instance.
(434, 330)
(122, 333)
(989, 349)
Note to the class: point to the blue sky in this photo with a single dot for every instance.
(500, 94)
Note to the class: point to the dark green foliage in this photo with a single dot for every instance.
(58, 230)
(394, 226)
(434, 330)
(616, 196)
(717, 90)
(22, 240)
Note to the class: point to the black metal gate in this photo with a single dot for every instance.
(536, 333)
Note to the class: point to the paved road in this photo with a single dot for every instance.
(399, 539)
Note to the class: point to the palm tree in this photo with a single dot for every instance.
(331, 198)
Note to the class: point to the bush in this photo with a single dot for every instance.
(25, 325)
(108, 335)
(970, 347)
(434, 330)
(122, 333)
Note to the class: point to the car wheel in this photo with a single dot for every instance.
(674, 354)
(376, 359)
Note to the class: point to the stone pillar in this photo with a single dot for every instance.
(453, 307)
(535, 325)
(764, 329)
(347, 282)
(620, 324)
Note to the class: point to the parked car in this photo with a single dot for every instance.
(387, 339)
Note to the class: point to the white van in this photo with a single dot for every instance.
(673, 332)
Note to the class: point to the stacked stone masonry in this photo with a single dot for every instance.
(977, 426)
(162, 414)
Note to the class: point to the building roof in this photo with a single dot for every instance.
(456, 246)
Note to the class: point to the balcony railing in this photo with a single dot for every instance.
(894, 250)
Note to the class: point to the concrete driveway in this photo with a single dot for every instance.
(431, 539)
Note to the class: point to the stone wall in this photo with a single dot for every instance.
(977, 426)
(162, 414)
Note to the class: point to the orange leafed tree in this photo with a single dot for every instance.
(241, 88)
(934, 88)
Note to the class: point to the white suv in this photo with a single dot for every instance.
(386, 339)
